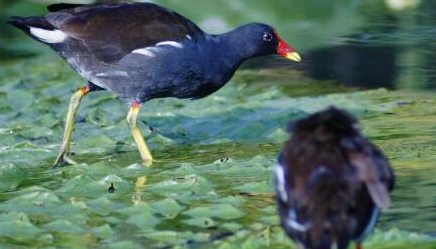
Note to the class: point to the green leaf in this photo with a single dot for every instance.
(232, 200)
(104, 232)
(123, 245)
(192, 182)
(220, 211)
(200, 222)
(14, 216)
(256, 187)
(144, 220)
(11, 177)
(64, 226)
(19, 230)
(168, 208)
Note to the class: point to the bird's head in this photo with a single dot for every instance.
(332, 123)
(265, 40)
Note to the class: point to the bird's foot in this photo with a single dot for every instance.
(63, 159)
(148, 162)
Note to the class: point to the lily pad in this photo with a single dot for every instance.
(211, 185)
(168, 208)
(221, 211)
(19, 230)
(11, 177)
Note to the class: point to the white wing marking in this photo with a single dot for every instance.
(48, 36)
(280, 182)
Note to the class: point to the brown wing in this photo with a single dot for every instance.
(110, 31)
(373, 169)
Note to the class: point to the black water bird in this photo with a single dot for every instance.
(142, 51)
(331, 182)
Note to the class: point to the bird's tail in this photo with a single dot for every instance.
(25, 23)
(39, 29)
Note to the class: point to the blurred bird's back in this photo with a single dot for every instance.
(322, 199)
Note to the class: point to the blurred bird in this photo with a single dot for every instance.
(142, 51)
(331, 182)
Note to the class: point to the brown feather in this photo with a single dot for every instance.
(369, 173)
(335, 178)
(379, 194)
(111, 31)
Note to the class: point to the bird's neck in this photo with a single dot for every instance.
(228, 51)
(234, 45)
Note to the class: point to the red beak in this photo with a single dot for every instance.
(286, 51)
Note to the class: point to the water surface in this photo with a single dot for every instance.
(212, 186)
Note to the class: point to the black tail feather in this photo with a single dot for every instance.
(62, 6)
(24, 23)
(17, 22)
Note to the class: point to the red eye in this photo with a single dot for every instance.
(267, 37)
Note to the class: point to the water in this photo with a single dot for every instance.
(219, 150)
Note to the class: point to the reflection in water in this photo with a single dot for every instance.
(428, 62)
(350, 65)
(354, 65)
(393, 49)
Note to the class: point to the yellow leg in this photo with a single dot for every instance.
(63, 157)
(132, 120)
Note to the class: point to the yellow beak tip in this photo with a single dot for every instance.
(294, 56)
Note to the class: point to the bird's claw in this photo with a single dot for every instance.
(63, 159)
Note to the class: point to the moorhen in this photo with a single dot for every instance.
(143, 51)
(331, 182)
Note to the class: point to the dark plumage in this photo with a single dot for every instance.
(100, 39)
(142, 51)
(331, 182)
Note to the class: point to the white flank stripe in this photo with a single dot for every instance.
(280, 179)
(189, 37)
(297, 226)
(48, 36)
(292, 222)
(144, 51)
(170, 43)
(113, 73)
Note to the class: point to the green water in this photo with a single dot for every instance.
(212, 185)
(214, 174)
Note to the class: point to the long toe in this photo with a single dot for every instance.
(148, 162)
(63, 160)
